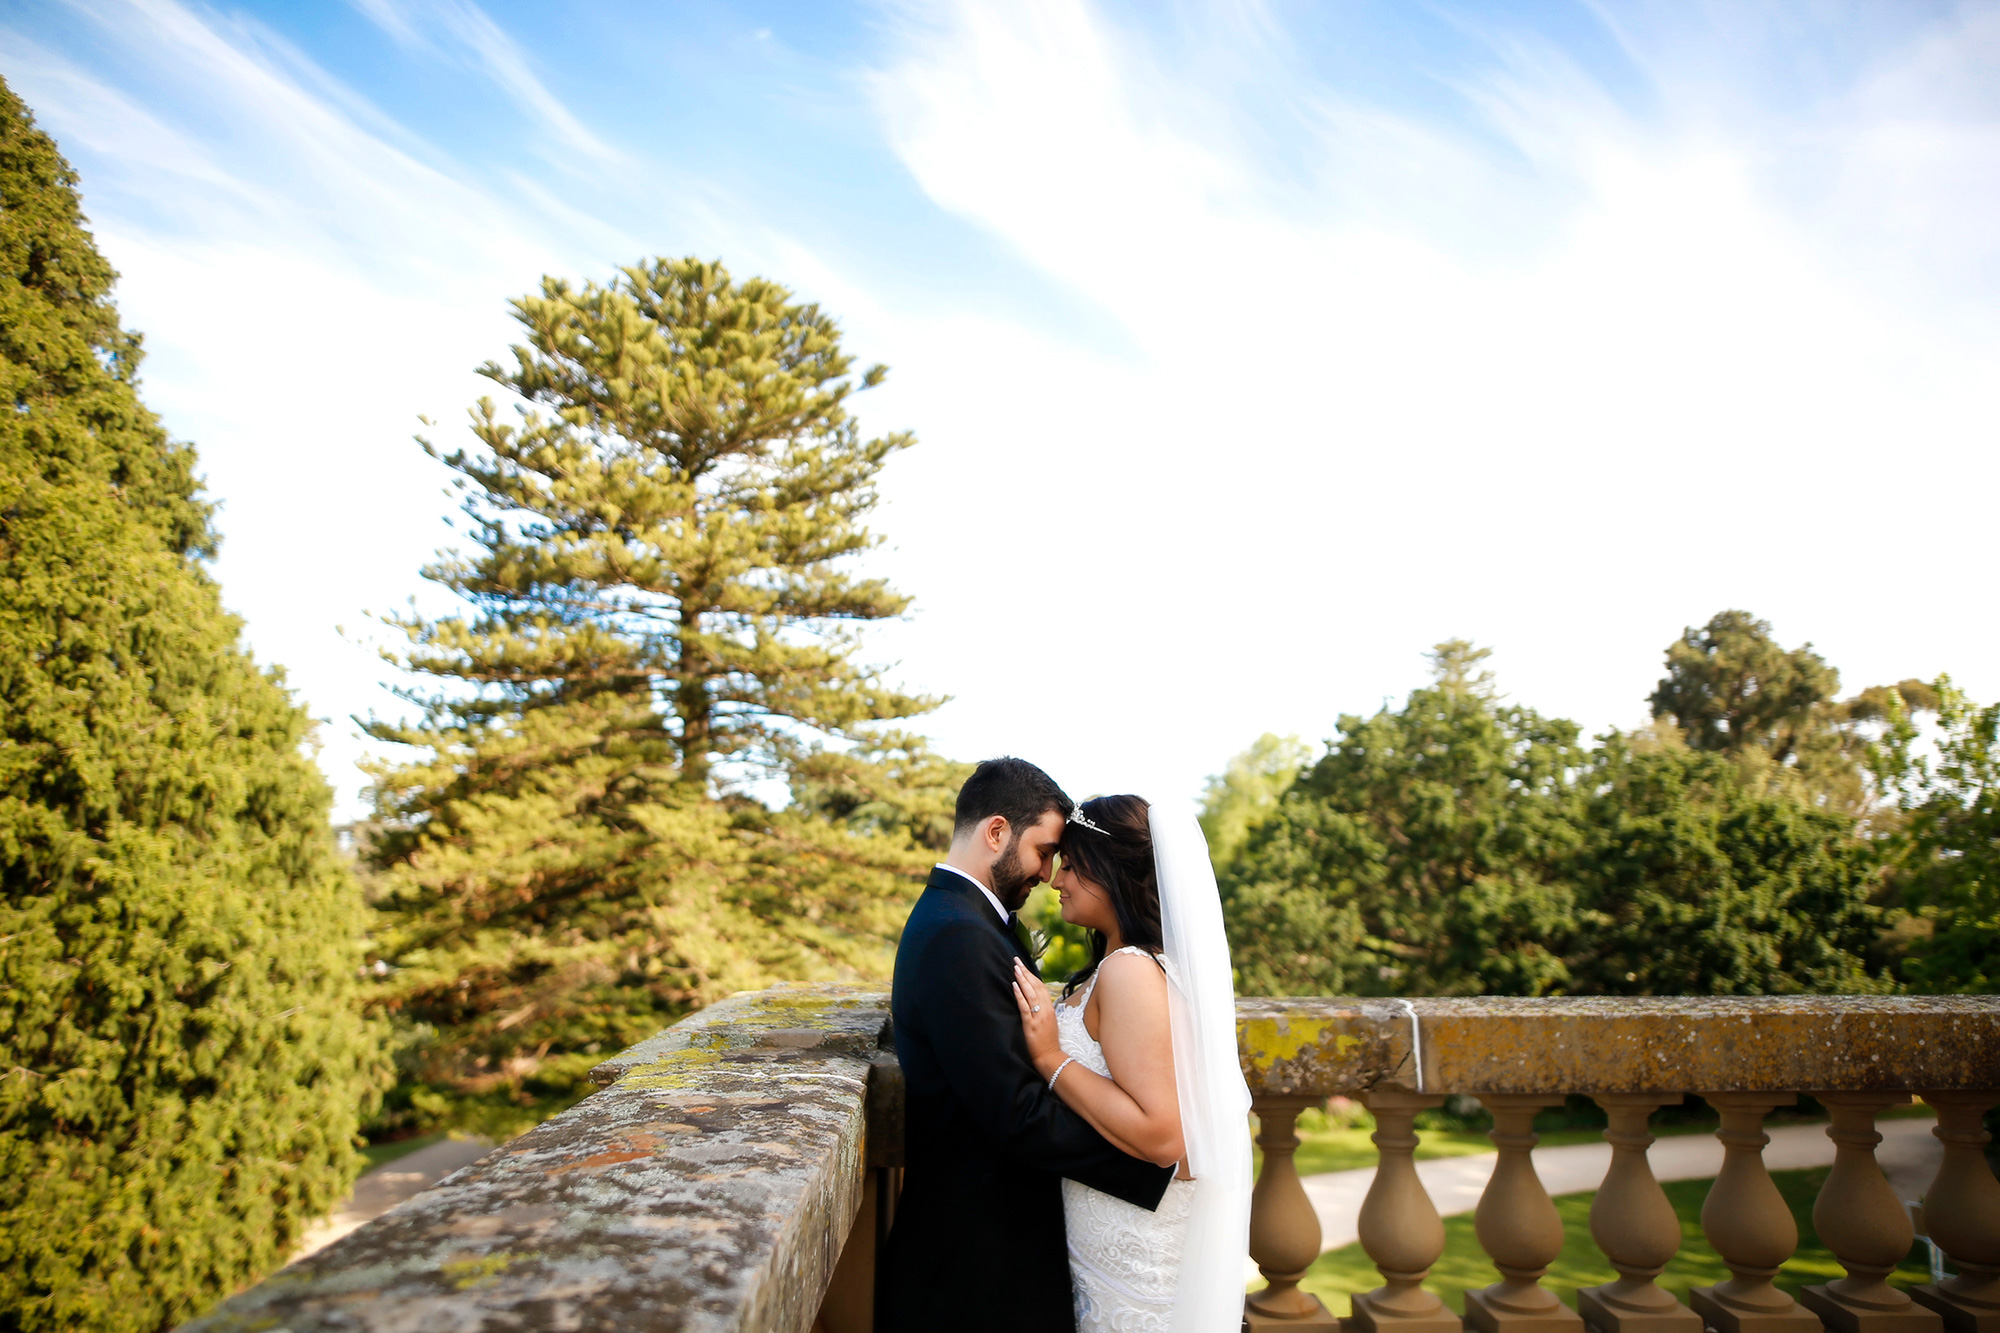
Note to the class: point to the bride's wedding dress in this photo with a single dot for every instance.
(1178, 1269)
(1125, 1261)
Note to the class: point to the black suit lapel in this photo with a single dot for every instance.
(1024, 943)
(1013, 929)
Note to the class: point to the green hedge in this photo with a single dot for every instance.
(182, 1065)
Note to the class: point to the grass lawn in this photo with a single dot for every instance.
(1339, 1149)
(1333, 1147)
(1342, 1273)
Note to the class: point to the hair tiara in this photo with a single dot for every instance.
(1076, 816)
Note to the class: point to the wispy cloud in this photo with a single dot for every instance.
(311, 278)
(1531, 350)
(1560, 342)
(469, 33)
(300, 157)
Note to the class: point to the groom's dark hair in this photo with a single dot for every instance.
(1012, 788)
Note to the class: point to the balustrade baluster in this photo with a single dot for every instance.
(1635, 1226)
(1399, 1226)
(1962, 1215)
(1749, 1226)
(1866, 1226)
(1284, 1229)
(1519, 1229)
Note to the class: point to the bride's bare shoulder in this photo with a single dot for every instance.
(1135, 976)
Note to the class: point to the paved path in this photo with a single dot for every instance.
(388, 1185)
(1908, 1154)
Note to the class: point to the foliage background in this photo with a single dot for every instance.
(1762, 836)
(185, 1060)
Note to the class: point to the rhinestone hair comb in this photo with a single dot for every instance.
(1076, 816)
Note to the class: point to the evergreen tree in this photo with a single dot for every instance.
(1729, 686)
(1461, 845)
(893, 785)
(1732, 689)
(1421, 856)
(661, 606)
(1694, 880)
(1945, 849)
(184, 1061)
(1248, 790)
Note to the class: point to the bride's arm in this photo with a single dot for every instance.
(1038, 1025)
(1138, 1107)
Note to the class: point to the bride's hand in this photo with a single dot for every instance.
(1038, 1020)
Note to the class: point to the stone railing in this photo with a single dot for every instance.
(739, 1170)
(1745, 1057)
(733, 1175)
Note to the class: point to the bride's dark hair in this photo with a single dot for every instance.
(1119, 861)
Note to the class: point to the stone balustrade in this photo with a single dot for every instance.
(1746, 1057)
(739, 1170)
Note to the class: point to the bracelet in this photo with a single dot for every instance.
(1058, 1074)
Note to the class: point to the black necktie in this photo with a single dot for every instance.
(1022, 936)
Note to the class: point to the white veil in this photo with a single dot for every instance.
(1215, 1102)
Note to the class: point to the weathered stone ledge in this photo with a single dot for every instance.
(1320, 1047)
(710, 1188)
(835, 1020)
(711, 1185)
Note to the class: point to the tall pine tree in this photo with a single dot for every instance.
(184, 1063)
(660, 608)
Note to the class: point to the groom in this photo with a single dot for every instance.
(978, 1240)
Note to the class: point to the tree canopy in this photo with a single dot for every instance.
(1419, 856)
(672, 532)
(1693, 879)
(1465, 845)
(186, 1061)
(1730, 686)
(661, 609)
(1731, 689)
(1245, 793)
(1944, 849)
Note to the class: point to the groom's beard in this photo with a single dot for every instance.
(1012, 879)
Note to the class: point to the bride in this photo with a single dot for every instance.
(1143, 1046)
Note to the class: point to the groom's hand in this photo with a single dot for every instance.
(1038, 1020)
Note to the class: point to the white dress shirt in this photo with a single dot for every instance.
(981, 887)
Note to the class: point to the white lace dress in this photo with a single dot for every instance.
(1124, 1260)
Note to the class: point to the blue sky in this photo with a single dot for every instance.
(1252, 347)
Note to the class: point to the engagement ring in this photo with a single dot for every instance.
(1034, 1008)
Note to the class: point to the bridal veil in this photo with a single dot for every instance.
(1215, 1102)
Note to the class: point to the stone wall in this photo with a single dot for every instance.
(715, 1180)
(708, 1188)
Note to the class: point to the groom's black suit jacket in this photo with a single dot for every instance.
(978, 1240)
